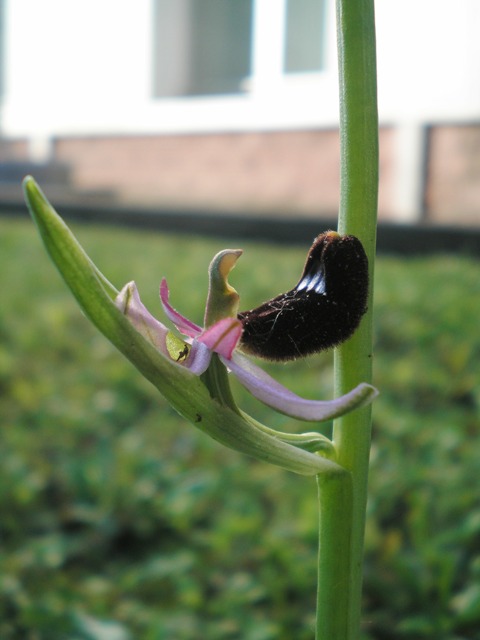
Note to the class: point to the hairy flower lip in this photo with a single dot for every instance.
(321, 311)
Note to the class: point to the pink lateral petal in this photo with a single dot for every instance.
(184, 325)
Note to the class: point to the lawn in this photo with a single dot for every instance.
(120, 521)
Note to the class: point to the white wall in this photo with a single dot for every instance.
(84, 66)
(70, 63)
(428, 59)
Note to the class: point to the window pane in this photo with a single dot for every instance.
(222, 37)
(304, 36)
(202, 47)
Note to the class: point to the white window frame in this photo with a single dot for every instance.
(274, 99)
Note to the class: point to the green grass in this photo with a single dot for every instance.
(119, 520)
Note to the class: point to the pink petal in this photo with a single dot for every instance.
(275, 395)
(222, 337)
(184, 325)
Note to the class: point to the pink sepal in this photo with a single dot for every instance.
(275, 395)
(129, 303)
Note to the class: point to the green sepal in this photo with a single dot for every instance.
(311, 441)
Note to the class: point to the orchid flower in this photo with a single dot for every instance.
(193, 374)
(222, 338)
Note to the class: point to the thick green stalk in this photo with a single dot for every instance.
(353, 359)
(333, 593)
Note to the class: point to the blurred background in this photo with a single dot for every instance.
(233, 106)
(120, 521)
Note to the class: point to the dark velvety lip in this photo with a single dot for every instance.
(320, 312)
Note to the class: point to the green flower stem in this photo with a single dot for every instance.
(342, 542)
(333, 593)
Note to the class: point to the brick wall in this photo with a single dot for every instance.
(13, 150)
(281, 172)
(278, 172)
(453, 179)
